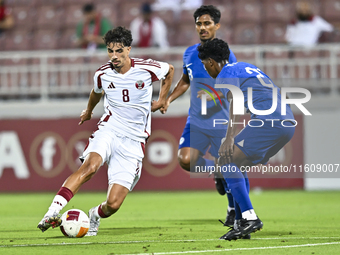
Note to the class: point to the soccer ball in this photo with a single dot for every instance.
(75, 223)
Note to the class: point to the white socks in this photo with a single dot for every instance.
(249, 215)
(57, 205)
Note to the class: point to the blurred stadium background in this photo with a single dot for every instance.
(45, 83)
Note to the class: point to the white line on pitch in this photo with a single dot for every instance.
(157, 241)
(237, 249)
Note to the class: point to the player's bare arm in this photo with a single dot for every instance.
(93, 101)
(164, 90)
(227, 147)
(182, 85)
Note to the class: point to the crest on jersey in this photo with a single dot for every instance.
(139, 84)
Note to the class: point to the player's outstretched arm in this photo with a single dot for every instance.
(164, 90)
(182, 85)
(227, 147)
(93, 101)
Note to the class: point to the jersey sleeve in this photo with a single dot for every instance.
(97, 87)
(323, 25)
(232, 57)
(157, 69)
(185, 55)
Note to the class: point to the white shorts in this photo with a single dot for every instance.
(122, 154)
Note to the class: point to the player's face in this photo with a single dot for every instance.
(210, 68)
(206, 27)
(118, 54)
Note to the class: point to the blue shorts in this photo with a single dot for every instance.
(201, 139)
(259, 144)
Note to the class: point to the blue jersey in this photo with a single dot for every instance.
(244, 75)
(200, 79)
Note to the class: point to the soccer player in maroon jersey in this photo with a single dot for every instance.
(122, 131)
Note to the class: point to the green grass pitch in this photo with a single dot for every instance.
(295, 222)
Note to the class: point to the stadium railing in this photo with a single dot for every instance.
(44, 75)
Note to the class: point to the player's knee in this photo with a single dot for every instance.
(184, 161)
(90, 168)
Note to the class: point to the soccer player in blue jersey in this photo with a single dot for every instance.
(257, 142)
(191, 151)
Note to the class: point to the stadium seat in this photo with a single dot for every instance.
(18, 3)
(225, 33)
(244, 56)
(274, 32)
(186, 35)
(278, 10)
(45, 39)
(109, 10)
(130, 10)
(213, 2)
(186, 16)
(19, 40)
(331, 10)
(56, 3)
(227, 12)
(167, 16)
(247, 10)
(49, 16)
(73, 14)
(67, 39)
(2, 42)
(246, 33)
(24, 17)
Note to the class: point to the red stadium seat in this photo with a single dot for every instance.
(167, 16)
(128, 10)
(213, 2)
(19, 40)
(72, 15)
(67, 39)
(49, 16)
(109, 10)
(21, 3)
(46, 39)
(244, 56)
(225, 33)
(2, 42)
(278, 10)
(247, 33)
(227, 12)
(186, 35)
(274, 32)
(56, 3)
(331, 10)
(24, 17)
(247, 10)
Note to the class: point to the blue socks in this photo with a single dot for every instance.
(231, 201)
(239, 187)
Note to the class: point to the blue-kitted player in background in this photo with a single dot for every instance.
(198, 135)
(255, 144)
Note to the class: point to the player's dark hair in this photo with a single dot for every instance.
(87, 8)
(118, 35)
(216, 49)
(214, 13)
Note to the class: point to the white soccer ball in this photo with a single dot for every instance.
(75, 223)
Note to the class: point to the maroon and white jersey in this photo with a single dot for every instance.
(128, 96)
